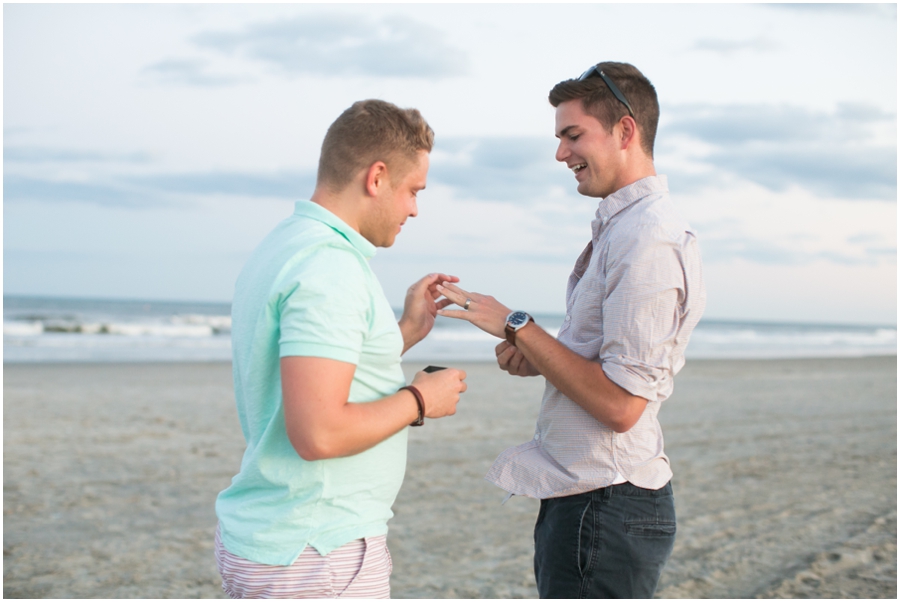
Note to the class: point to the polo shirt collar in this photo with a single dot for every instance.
(625, 197)
(321, 214)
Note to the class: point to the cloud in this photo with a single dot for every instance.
(21, 188)
(31, 154)
(738, 124)
(727, 47)
(865, 237)
(864, 173)
(189, 72)
(878, 10)
(500, 169)
(339, 45)
(768, 253)
(285, 184)
(841, 154)
(159, 189)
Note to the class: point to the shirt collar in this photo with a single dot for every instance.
(321, 214)
(625, 197)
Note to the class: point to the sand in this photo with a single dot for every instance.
(785, 481)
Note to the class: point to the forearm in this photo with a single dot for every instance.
(352, 428)
(581, 380)
(411, 334)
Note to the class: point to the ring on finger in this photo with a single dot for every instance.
(466, 305)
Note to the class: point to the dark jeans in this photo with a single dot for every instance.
(607, 543)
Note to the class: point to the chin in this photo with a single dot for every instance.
(584, 189)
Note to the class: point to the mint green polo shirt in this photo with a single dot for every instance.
(308, 290)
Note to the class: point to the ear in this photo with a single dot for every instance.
(376, 178)
(629, 131)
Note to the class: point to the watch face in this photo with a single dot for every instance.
(517, 319)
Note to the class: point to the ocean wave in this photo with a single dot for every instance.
(23, 329)
(132, 332)
(879, 337)
(179, 326)
(472, 335)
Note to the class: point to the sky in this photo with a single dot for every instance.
(147, 149)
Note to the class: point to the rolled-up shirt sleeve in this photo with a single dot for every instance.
(325, 308)
(642, 308)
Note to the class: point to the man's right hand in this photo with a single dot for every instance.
(513, 361)
(440, 390)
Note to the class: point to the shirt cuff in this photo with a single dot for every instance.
(632, 380)
(341, 354)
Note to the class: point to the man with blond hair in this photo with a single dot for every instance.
(607, 520)
(320, 393)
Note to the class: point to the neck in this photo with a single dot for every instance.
(343, 204)
(639, 167)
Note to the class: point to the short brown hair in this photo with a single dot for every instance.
(370, 131)
(599, 101)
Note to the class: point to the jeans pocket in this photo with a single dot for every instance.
(542, 512)
(641, 528)
(586, 530)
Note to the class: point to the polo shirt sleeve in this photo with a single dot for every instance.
(325, 307)
(642, 309)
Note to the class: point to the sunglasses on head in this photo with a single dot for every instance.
(594, 71)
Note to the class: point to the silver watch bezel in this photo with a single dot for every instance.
(515, 327)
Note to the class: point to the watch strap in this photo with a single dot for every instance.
(511, 332)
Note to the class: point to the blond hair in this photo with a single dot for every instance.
(370, 131)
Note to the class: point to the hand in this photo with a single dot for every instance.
(420, 308)
(513, 361)
(484, 311)
(441, 391)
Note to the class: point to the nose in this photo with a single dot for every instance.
(415, 209)
(561, 151)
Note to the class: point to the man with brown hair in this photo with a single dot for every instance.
(607, 520)
(321, 396)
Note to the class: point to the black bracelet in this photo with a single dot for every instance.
(420, 401)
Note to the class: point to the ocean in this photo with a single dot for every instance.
(39, 329)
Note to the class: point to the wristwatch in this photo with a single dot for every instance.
(514, 322)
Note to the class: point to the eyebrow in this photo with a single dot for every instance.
(565, 130)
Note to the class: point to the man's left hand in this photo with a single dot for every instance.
(420, 308)
(483, 311)
(514, 361)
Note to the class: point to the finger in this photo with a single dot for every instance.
(446, 278)
(455, 294)
(424, 282)
(443, 303)
(452, 287)
(501, 348)
(505, 357)
(460, 314)
(515, 362)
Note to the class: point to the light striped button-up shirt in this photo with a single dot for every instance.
(633, 299)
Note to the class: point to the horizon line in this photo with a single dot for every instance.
(747, 321)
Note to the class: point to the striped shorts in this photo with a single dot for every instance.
(359, 569)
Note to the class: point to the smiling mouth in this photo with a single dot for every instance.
(578, 167)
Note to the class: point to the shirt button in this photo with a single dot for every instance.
(568, 317)
(537, 437)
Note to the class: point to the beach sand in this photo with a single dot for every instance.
(785, 482)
